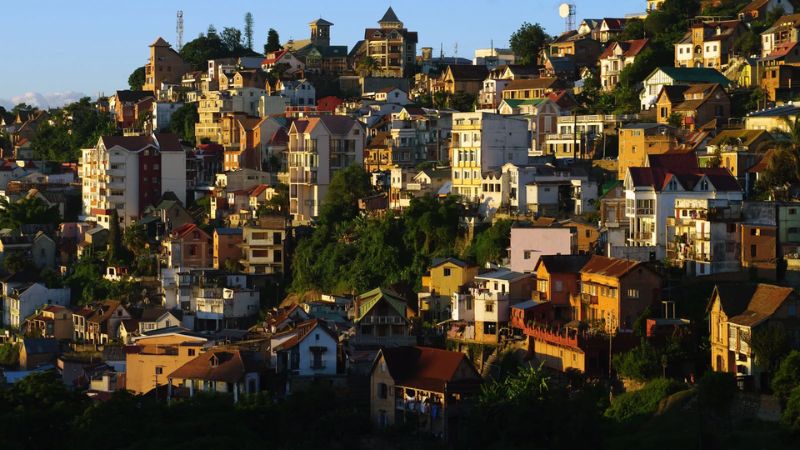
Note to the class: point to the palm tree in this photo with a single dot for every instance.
(366, 66)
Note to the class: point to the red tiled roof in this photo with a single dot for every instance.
(229, 365)
(185, 229)
(629, 48)
(610, 267)
(276, 58)
(426, 368)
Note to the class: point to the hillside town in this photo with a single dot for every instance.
(377, 244)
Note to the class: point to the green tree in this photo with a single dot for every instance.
(791, 414)
(641, 364)
(248, 30)
(634, 29)
(634, 406)
(136, 79)
(9, 355)
(779, 176)
(749, 43)
(528, 41)
(14, 262)
(27, 211)
(491, 245)
(232, 39)
(770, 343)
(787, 377)
(135, 240)
(462, 101)
(366, 65)
(675, 119)
(183, 120)
(114, 250)
(346, 188)
(273, 41)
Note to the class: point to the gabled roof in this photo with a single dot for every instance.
(301, 332)
(611, 267)
(160, 42)
(40, 346)
(468, 72)
(220, 364)
(428, 368)
(629, 48)
(127, 96)
(694, 75)
(746, 137)
(165, 142)
(321, 21)
(614, 24)
(366, 301)
(749, 305)
(183, 230)
(439, 261)
(562, 263)
(536, 83)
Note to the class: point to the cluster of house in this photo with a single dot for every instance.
(677, 186)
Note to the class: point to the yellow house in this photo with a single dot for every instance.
(445, 277)
(638, 140)
(615, 292)
(736, 311)
(157, 355)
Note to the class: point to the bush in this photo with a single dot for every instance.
(791, 415)
(642, 363)
(787, 377)
(716, 390)
(9, 355)
(631, 406)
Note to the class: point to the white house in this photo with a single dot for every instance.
(307, 350)
(20, 300)
(672, 76)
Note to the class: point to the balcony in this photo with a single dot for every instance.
(589, 299)
(380, 320)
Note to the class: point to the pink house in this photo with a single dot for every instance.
(528, 244)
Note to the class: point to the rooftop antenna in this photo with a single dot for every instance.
(567, 12)
(455, 52)
(179, 29)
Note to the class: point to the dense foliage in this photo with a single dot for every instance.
(273, 41)
(26, 211)
(491, 245)
(76, 126)
(349, 253)
(212, 45)
(137, 78)
(527, 42)
(183, 120)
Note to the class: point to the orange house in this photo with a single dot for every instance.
(557, 279)
(614, 292)
(227, 246)
(188, 246)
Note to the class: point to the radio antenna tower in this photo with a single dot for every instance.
(567, 12)
(179, 30)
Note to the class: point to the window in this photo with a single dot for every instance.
(527, 254)
(159, 370)
(277, 255)
(490, 307)
(753, 251)
(633, 293)
(489, 328)
(447, 271)
(191, 352)
(383, 391)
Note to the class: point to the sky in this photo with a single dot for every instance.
(56, 51)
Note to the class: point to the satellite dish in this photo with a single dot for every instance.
(563, 10)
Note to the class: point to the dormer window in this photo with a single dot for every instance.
(704, 185)
(214, 361)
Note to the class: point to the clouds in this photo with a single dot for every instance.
(44, 101)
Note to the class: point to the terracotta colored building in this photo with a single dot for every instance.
(558, 279)
(164, 66)
(227, 246)
(188, 246)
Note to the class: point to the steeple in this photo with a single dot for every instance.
(390, 20)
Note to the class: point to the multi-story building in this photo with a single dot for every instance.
(616, 57)
(650, 194)
(698, 106)
(706, 236)
(530, 243)
(382, 319)
(785, 30)
(542, 115)
(557, 280)
(227, 246)
(582, 49)
(318, 148)
(583, 136)
(444, 278)
(392, 46)
(156, 355)
(21, 300)
(427, 384)
(615, 292)
(671, 76)
(708, 43)
(130, 173)
(188, 246)
(164, 66)
(485, 305)
(525, 89)
(264, 245)
(53, 321)
(637, 141)
(483, 142)
(610, 28)
(736, 312)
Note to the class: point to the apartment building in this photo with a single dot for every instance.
(264, 245)
(637, 141)
(616, 57)
(124, 173)
(318, 148)
(706, 236)
(583, 136)
(708, 43)
(392, 46)
(650, 194)
(483, 142)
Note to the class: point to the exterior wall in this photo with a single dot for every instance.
(557, 357)
(173, 174)
(263, 249)
(317, 338)
(382, 408)
(625, 298)
(635, 144)
(18, 308)
(226, 247)
(446, 284)
(483, 142)
(528, 244)
(759, 246)
(556, 287)
(146, 370)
